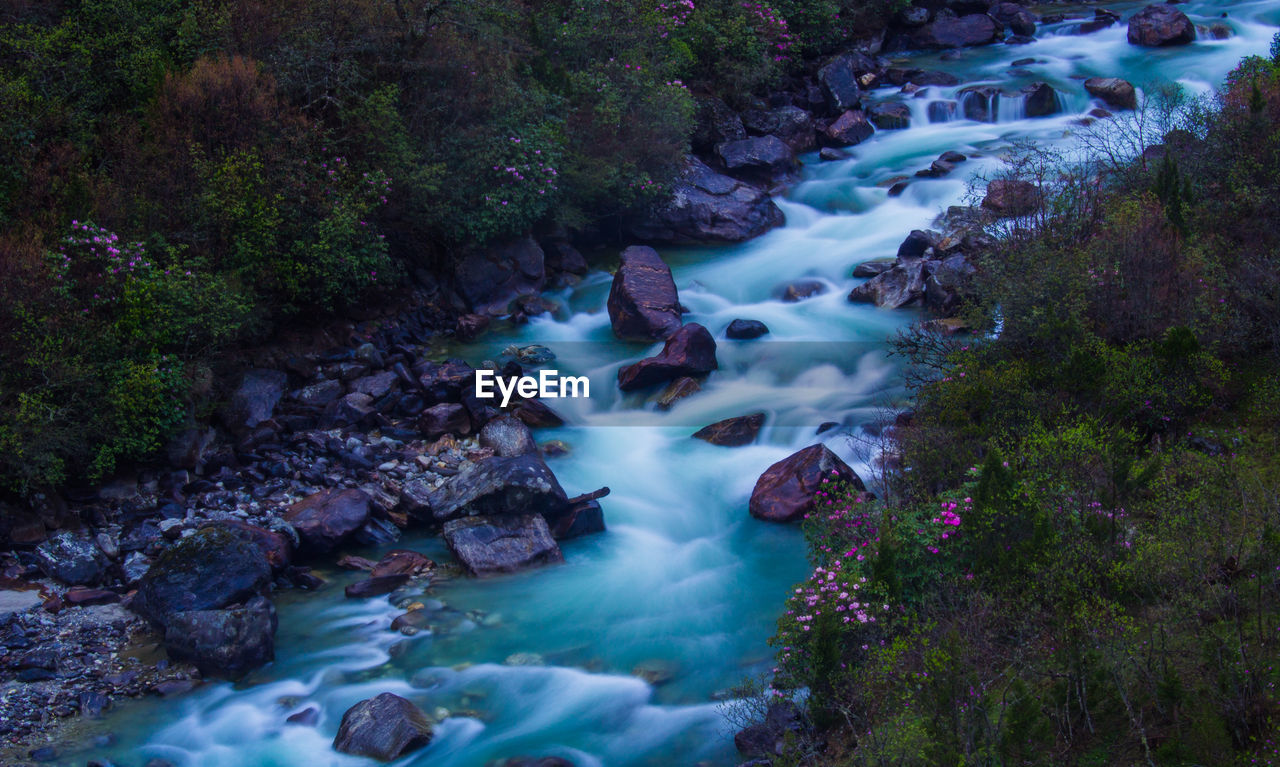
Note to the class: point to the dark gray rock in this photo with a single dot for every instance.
(890, 115)
(508, 436)
(768, 739)
(1011, 197)
(327, 519)
(227, 643)
(960, 32)
(489, 280)
(208, 570)
(799, 290)
(760, 158)
(872, 268)
(72, 558)
(495, 545)
(708, 207)
(319, 394)
(732, 432)
(745, 330)
(850, 128)
(1017, 18)
(445, 418)
(383, 728)
(839, 79)
(716, 123)
(916, 244)
(496, 486)
(1114, 92)
(643, 304)
(254, 400)
(582, 518)
(1040, 100)
(899, 286)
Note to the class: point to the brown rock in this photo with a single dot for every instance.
(785, 491)
(326, 520)
(643, 304)
(690, 351)
(732, 432)
(403, 562)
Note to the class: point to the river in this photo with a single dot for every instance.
(685, 585)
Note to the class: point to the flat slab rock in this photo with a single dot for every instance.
(497, 486)
(495, 545)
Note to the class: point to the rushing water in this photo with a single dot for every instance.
(685, 585)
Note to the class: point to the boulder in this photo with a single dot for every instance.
(872, 268)
(226, 643)
(716, 123)
(948, 283)
(1160, 25)
(377, 385)
(850, 128)
(917, 243)
(643, 304)
(899, 286)
(759, 158)
(745, 330)
(1011, 197)
(444, 418)
(705, 207)
(678, 390)
(508, 436)
(561, 256)
(495, 486)
(802, 289)
(1114, 92)
(490, 279)
(1102, 18)
(790, 123)
(839, 80)
(276, 547)
(327, 519)
(350, 410)
(72, 558)
(494, 545)
(254, 400)
(690, 351)
(581, 518)
(208, 570)
(959, 32)
(444, 381)
(1017, 18)
(402, 562)
(890, 115)
(980, 102)
(375, 586)
(732, 432)
(785, 491)
(1040, 100)
(383, 728)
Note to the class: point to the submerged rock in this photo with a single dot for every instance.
(383, 728)
(745, 330)
(643, 304)
(785, 491)
(495, 545)
(1114, 92)
(732, 432)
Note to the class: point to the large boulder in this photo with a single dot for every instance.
(785, 491)
(72, 558)
(494, 545)
(759, 158)
(490, 279)
(254, 400)
(227, 643)
(959, 32)
(690, 351)
(383, 728)
(948, 283)
(1016, 17)
(890, 115)
(1040, 100)
(643, 303)
(276, 547)
(327, 519)
(1160, 25)
(732, 432)
(850, 128)
(1011, 197)
(899, 286)
(1114, 92)
(495, 486)
(209, 570)
(839, 79)
(706, 206)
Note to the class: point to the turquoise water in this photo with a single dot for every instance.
(685, 585)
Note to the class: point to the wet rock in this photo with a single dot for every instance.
(79, 596)
(1114, 92)
(850, 128)
(785, 491)
(208, 570)
(802, 289)
(508, 436)
(917, 243)
(563, 257)
(402, 562)
(1011, 197)
(326, 520)
(716, 123)
(839, 80)
(745, 330)
(890, 115)
(276, 547)
(254, 400)
(872, 268)
(732, 432)
(495, 486)
(690, 351)
(832, 154)
(760, 158)
(307, 717)
(678, 390)
(375, 586)
(72, 558)
(643, 304)
(383, 728)
(790, 123)
(768, 738)
(980, 102)
(494, 545)
(1160, 25)
(581, 518)
(706, 206)
(227, 643)
(444, 381)
(471, 325)
(1040, 100)
(899, 286)
(445, 418)
(489, 280)
(1102, 18)
(1017, 18)
(351, 410)
(959, 32)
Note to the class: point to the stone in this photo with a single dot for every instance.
(760, 158)
(708, 207)
(1114, 92)
(445, 418)
(254, 400)
(839, 77)
(375, 586)
(768, 739)
(187, 448)
(850, 128)
(275, 546)
(802, 289)
(508, 437)
(471, 325)
(582, 518)
(899, 286)
(494, 545)
(716, 123)
(350, 410)
(959, 32)
(561, 256)
(208, 570)
(890, 115)
(496, 486)
(317, 394)
(917, 243)
(872, 268)
(1160, 25)
(690, 351)
(745, 330)
(678, 390)
(643, 304)
(1011, 197)
(383, 728)
(489, 280)
(17, 601)
(444, 381)
(402, 562)
(785, 491)
(732, 432)
(227, 643)
(377, 385)
(1017, 18)
(72, 558)
(1040, 100)
(327, 519)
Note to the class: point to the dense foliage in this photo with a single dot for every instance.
(1080, 562)
(178, 175)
